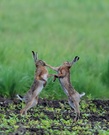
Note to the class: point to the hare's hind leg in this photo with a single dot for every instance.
(75, 106)
(29, 105)
(71, 104)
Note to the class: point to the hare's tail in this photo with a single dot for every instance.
(20, 97)
(81, 95)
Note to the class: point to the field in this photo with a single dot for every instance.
(54, 117)
(58, 30)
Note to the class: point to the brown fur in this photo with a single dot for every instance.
(63, 74)
(40, 80)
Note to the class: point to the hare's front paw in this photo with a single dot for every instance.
(54, 79)
(55, 76)
(45, 83)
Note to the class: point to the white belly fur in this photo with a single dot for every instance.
(45, 77)
(38, 90)
(62, 82)
(65, 90)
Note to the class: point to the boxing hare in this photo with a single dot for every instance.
(63, 74)
(40, 80)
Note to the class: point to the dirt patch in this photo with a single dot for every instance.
(54, 117)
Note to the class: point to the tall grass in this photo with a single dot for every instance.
(57, 30)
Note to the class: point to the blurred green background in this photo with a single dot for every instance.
(58, 30)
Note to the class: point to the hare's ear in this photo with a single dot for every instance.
(75, 60)
(35, 56)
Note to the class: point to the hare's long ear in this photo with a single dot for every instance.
(35, 56)
(75, 60)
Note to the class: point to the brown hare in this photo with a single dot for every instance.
(63, 74)
(40, 80)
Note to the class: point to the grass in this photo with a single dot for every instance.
(57, 30)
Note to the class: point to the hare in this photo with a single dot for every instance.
(40, 80)
(63, 74)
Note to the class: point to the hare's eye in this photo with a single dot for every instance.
(41, 62)
(65, 62)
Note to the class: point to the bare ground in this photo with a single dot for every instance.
(55, 117)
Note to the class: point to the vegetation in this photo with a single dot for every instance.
(54, 118)
(58, 30)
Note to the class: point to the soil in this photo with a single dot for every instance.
(94, 112)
